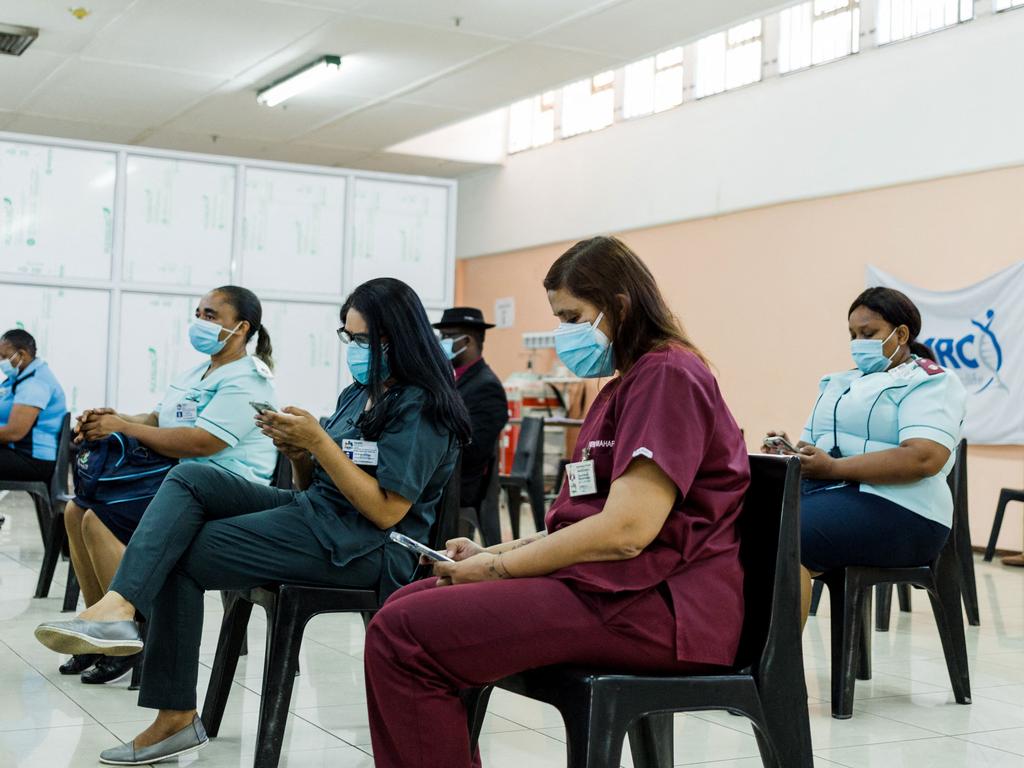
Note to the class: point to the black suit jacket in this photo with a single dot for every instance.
(484, 396)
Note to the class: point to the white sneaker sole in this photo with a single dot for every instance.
(75, 643)
(151, 760)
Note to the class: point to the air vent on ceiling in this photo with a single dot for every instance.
(14, 40)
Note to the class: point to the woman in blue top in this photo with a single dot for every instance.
(379, 464)
(877, 448)
(204, 417)
(31, 410)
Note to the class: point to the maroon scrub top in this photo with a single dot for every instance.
(668, 409)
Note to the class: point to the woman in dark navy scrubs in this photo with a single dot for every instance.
(638, 569)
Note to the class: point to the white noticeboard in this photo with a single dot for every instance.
(178, 222)
(400, 230)
(56, 211)
(293, 231)
(307, 354)
(154, 348)
(70, 329)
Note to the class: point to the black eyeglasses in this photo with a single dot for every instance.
(362, 339)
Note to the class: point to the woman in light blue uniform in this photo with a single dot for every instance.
(32, 410)
(205, 417)
(877, 448)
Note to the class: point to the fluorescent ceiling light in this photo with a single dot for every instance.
(317, 73)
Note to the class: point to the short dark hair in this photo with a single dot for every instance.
(21, 340)
(896, 308)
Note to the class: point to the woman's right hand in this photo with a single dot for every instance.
(776, 450)
(458, 549)
(84, 417)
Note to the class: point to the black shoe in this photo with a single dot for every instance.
(76, 665)
(110, 668)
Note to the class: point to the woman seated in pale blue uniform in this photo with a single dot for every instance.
(877, 448)
(205, 416)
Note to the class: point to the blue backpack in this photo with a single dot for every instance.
(118, 469)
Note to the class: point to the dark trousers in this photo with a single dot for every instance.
(427, 643)
(210, 529)
(17, 466)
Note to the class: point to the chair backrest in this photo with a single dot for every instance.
(529, 455)
(769, 529)
(957, 481)
(59, 478)
(282, 477)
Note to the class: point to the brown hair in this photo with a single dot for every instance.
(602, 269)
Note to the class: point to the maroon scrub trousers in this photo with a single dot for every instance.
(677, 607)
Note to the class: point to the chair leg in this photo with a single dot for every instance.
(997, 523)
(945, 599)
(594, 734)
(816, 589)
(71, 591)
(225, 662)
(515, 507)
(44, 515)
(651, 741)
(278, 680)
(968, 583)
(883, 606)
(490, 520)
(225, 598)
(903, 595)
(475, 701)
(864, 642)
(51, 554)
(847, 602)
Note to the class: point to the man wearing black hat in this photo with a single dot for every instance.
(462, 333)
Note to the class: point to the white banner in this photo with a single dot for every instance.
(978, 333)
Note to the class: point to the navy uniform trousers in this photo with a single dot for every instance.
(209, 529)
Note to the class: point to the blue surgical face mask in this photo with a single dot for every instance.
(358, 358)
(205, 336)
(869, 356)
(584, 349)
(7, 368)
(448, 346)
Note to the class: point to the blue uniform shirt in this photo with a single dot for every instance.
(219, 404)
(37, 387)
(878, 411)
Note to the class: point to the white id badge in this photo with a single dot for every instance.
(581, 477)
(362, 452)
(186, 411)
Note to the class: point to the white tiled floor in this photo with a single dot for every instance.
(905, 716)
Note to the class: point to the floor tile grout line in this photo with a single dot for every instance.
(963, 738)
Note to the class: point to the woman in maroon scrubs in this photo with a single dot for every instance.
(638, 569)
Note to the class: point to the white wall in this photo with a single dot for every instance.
(944, 104)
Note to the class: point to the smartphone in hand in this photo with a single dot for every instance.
(418, 548)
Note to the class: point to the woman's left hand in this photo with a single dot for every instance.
(816, 464)
(482, 567)
(97, 426)
(293, 427)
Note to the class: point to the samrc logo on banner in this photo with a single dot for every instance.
(977, 356)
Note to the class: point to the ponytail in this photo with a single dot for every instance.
(248, 308)
(264, 351)
(922, 350)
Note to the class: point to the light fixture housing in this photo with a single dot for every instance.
(308, 77)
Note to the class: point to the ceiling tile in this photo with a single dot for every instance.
(486, 17)
(42, 125)
(238, 114)
(99, 92)
(21, 74)
(219, 38)
(390, 162)
(517, 72)
(59, 31)
(383, 125)
(312, 154)
(638, 28)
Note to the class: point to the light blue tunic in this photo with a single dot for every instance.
(878, 411)
(36, 387)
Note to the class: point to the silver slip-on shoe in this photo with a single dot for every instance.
(109, 638)
(191, 738)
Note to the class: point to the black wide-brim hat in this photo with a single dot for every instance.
(463, 316)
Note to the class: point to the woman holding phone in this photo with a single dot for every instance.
(877, 448)
(380, 463)
(204, 417)
(638, 568)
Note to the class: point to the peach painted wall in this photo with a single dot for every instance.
(764, 293)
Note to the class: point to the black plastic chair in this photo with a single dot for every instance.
(850, 596)
(767, 684)
(49, 498)
(484, 517)
(527, 474)
(289, 608)
(1006, 495)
